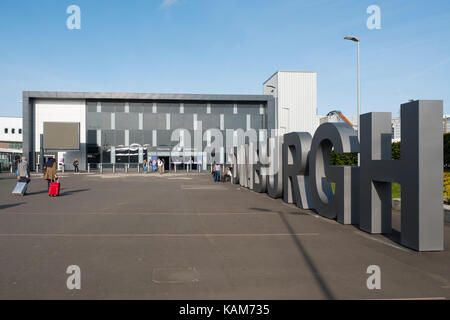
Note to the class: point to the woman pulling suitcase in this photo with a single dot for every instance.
(50, 176)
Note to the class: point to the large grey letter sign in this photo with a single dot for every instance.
(419, 171)
(260, 169)
(232, 158)
(340, 205)
(296, 189)
(242, 159)
(275, 170)
(376, 211)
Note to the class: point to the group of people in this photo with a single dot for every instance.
(216, 172)
(23, 171)
(157, 164)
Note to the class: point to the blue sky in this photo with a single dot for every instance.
(232, 46)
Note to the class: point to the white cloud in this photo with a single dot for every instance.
(168, 3)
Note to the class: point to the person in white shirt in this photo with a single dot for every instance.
(217, 172)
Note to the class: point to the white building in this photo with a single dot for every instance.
(395, 128)
(295, 94)
(336, 118)
(446, 123)
(10, 140)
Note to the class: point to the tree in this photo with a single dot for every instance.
(446, 149)
(395, 150)
(343, 159)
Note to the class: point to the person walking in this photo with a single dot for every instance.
(144, 166)
(23, 172)
(50, 171)
(159, 166)
(217, 172)
(75, 164)
(16, 164)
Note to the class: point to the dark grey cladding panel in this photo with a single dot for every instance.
(163, 138)
(113, 137)
(120, 107)
(98, 120)
(148, 107)
(92, 137)
(148, 137)
(195, 108)
(257, 121)
(184, 121)
(248, 109)
(209, 120)
(108, 137)
(235, 121)
(136, 107)
(126, 121)
(168, 107)
(137, 136)
(91, 106)
(120, 137)
(108, 107)
(154, 121)
(222, 108)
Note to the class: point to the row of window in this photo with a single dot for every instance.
(13, 131)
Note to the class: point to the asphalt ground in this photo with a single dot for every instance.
(182, 236)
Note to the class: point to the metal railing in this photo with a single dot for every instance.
(131, 168)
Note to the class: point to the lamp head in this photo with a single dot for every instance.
(352, 38)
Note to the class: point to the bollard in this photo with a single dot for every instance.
(114, 168)
(37, 168)
(89, 167)
(175, 167)
(126, 167)
(139, 167)
(101, 167)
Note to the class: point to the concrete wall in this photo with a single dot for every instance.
(46, 110)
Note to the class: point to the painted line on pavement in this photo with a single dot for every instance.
(382, 242)
(152, 235)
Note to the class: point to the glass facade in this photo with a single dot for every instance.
(130, 131)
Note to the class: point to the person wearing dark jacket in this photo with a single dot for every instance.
(75, 164)
(50, 171)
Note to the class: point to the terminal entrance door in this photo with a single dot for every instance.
(166, 163)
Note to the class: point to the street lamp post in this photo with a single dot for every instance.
(355, 39)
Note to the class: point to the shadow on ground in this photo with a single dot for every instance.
(6, 206)
(311, 265)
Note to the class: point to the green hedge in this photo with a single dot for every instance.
(351, 159)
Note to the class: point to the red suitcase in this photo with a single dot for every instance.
(54, 189)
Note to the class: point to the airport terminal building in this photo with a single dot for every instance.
(128, 128)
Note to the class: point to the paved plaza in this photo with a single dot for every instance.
(182, 236)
